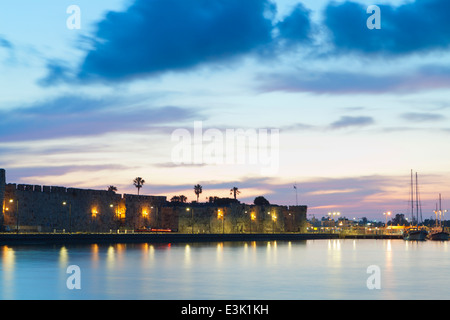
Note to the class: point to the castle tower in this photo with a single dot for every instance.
(2, 192)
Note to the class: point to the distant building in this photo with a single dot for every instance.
(52, 208)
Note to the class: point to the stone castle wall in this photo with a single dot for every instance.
(51, 208)
(2, 191)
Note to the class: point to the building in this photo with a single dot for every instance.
(60, 209)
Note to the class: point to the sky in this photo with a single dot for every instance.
(258, 94)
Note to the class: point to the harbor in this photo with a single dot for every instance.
(112, 238)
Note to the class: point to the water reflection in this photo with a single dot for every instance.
(325, 269)
(7, 268)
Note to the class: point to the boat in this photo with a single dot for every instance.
(438, 233)
(415, 233)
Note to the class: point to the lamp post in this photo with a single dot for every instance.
(220, 216)
(156, 216)
(17, 213)
(192, 219)
(252, 218)
(70, 215)
(386, 214)
(274, 218)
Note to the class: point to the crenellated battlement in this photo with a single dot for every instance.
(56, 208)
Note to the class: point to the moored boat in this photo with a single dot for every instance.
(438, 233)
(415, 233)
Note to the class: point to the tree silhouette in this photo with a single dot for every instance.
(138, 183)
(234, 191)
(198, 189)
(112, 189)
(178, 199)
(261, 201)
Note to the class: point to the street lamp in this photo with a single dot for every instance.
(70, 214)
(274, 218)
(192, 219)
(386, 214)
(252, 218)
(17, 212)
(220, 216)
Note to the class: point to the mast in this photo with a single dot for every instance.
(440, 210)
(417, 200)
(412, 198)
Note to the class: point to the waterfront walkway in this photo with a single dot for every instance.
(75, 238)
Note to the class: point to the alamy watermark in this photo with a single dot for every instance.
(258, 147)
(374, 21)
(74, 20)
(374, 280)
(74, 280)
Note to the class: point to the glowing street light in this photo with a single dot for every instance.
(274, 218)
(221, 216)
(386, 214)
(70, 214)
(17, 212)
(192, 219)
(252, 218)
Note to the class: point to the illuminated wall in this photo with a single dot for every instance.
(241, 218)
(51, 208)
(2, 193)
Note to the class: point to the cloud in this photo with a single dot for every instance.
(347, 121)
(154, 37)
(157, 36)
(422, 117)
(418, 26)
(4, 43)
(79, 116)
(420, 78)
(296, 28)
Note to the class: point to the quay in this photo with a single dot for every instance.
(111, 238)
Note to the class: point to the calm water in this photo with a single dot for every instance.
(320, 269)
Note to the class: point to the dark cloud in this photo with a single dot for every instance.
(347, 121)
(418, 26)
(296, 28)
(78, 116)
(157, 36)
(164, 35)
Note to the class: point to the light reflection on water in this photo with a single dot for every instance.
(319, 269)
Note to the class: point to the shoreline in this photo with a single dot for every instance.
(93, 238)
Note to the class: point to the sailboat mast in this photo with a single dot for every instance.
(412, 198)
(417, 199)
(440, 210)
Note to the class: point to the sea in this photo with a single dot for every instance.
(336, 269)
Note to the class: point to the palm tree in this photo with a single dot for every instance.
(138, 183)
(198, 189)
(112, 189)
(235, 191)
(183, 199)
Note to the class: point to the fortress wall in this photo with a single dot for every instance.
(2, 192)
(43, 208)
(237, 218)
(84, 210)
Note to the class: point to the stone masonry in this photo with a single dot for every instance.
(60, 209)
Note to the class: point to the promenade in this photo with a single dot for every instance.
(88, 238)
